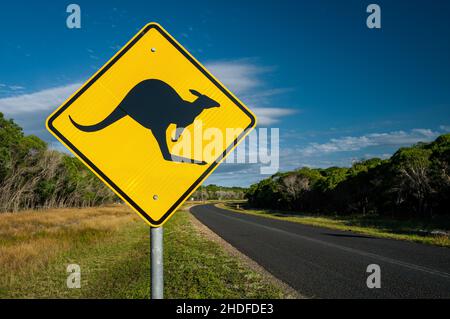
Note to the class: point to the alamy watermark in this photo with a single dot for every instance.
(201, 146)
(374, 19)
(73, 21)
(74, 277)
(374, 279)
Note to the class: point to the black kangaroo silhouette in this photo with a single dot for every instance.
(155, 105)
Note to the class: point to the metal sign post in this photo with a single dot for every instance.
(157, 280)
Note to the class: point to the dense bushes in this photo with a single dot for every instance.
(32, 176)
(414, 181)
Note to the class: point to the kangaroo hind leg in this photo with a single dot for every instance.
(160, 136)
(177, 134)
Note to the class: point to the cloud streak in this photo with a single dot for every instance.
(240, 76)
(35, 102)
(244, 78)
(356, 143)
(271, 115)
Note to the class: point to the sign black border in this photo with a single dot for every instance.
(99, 172)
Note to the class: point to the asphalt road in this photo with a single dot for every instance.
(324, 263)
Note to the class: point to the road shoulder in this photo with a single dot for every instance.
(208, 234)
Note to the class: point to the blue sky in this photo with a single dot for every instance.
(337, 90)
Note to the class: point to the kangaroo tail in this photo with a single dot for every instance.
(116, 115)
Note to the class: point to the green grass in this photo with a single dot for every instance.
(411, 230)
(114, 263)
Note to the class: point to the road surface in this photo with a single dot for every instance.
(325, 263)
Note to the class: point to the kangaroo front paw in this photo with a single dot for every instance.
(180, 159)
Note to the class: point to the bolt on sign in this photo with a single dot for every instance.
(152, 124)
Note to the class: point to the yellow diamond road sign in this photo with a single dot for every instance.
(152, 124)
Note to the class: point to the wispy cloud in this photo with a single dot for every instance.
(9, 90)
(240, 76)
(39, 101)
(356, 143)
(16, 87)
(245, 79)
(11, 87)
(271, 115)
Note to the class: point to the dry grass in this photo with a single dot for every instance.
(111, 246)
(30, 239)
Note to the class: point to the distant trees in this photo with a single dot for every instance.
(214, 192)
(414, 181)
(31, 175)
(413, 172)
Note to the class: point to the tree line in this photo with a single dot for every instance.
(34, 176)
(414, 181)
(214, 192)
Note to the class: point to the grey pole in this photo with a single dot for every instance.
(156, 241)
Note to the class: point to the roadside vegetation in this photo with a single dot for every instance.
(34, 176)
(413, 183)
(111, 245)
(404, 197)
(425, 231)
(214, 192)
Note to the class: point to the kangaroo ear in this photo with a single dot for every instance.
(196, 93)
